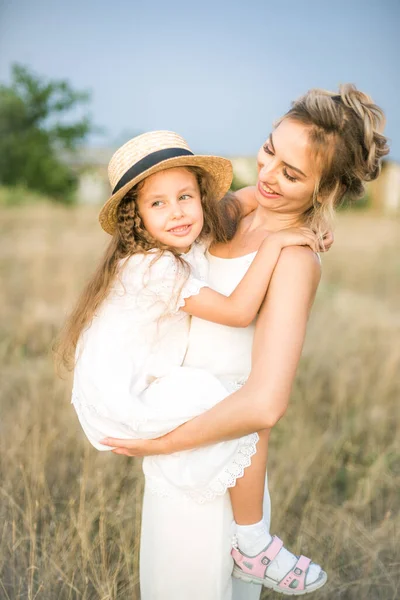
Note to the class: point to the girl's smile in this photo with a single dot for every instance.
(181, 230)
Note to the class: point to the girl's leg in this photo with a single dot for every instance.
(254, 542)
(252, 526)
(248, 493)
(240, 589)
(253, 507)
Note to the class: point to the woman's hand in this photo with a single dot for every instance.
(135, 447)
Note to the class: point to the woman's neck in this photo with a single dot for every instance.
(268, 220)
(253, 229)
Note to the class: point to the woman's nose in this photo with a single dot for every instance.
(268, 169)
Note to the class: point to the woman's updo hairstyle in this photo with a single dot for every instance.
(347, 146)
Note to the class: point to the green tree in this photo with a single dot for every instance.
(35, 133)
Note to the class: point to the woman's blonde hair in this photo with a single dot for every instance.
(131, 238)
(347, 146)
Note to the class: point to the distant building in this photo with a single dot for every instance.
(384, 192)
(91, 166)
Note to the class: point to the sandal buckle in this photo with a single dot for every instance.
(265, 561)
(297, 571)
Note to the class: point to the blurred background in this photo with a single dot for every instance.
(77, 80)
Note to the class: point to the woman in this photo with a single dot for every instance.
(324, 147)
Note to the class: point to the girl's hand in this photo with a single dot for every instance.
(135, 447)
(328, 240)
(295, 236)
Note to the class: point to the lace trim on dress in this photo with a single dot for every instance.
(166, 280)
(172, 291)
(220, 484)
(191, 288)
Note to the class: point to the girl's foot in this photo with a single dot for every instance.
(278, 569)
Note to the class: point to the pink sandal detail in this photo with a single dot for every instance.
(254, 569)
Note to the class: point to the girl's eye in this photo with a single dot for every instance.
(268, 149)
(286, 174)
(157, 203)
(184, 196)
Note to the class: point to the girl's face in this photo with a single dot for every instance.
(169, 204)
(286, 179)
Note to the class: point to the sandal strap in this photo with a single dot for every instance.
(297, 573)
(272, 551)
(259, 564)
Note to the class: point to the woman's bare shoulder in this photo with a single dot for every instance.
(292, 289)
(247, 199)
(300, 254)
(246, 192)
(299, 264)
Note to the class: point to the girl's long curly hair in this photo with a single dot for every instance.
(131, 238)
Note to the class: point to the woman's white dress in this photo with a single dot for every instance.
(186, 544)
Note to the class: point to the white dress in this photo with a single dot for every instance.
(129, 382)
(185, 545)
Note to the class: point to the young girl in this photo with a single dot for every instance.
(129, 329)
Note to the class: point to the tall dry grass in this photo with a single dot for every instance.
(70, 516)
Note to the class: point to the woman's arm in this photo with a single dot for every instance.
(278, 342)
(241, 306)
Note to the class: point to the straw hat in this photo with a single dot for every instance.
(152, 152)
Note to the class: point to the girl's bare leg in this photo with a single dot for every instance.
(252, 526)
(248, 493)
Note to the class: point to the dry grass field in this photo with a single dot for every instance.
(70, 516)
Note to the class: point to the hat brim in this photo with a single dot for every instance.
(219, 168)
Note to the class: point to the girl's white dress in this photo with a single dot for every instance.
(185, 545)
(129, 382)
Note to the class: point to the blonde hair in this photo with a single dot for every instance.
(347, 145)
(130, 238)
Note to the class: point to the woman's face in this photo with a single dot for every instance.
(286, 179)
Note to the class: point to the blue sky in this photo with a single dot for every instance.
(217, 72)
